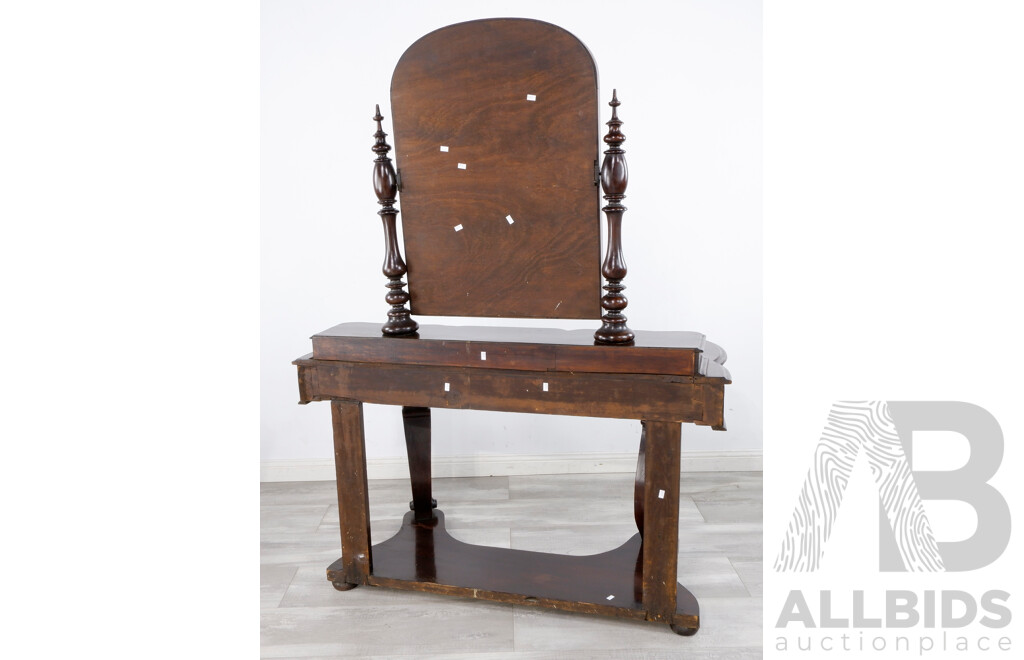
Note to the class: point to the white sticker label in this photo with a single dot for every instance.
(509, 218)
(447, 387)
(458, 227)
(661, 494)
(462, 166)
(531, 97)
(444, 148)
(483, 355)
(610, 597)
(545, 387)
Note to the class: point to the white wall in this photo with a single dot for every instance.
(689, 78)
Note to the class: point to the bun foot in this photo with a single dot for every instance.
(680, 630)
(344, 586)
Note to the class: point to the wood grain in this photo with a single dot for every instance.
(661, 520)
(422, 556)
(416, 422)
(495, 127)
(353, 502)
(662, 398)
(639, 481)
(614, 178)
(385, 185)
(532, 349)
(465, 87)
(548, 514)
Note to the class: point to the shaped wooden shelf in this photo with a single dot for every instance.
(422, 556)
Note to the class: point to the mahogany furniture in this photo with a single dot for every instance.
(496, 140)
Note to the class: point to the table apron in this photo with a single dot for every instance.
(622, 396)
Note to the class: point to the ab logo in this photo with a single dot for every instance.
(882, 431)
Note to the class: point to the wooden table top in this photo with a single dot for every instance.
(532, 349)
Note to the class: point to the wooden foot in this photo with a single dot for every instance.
(682, 630)
(344, 586)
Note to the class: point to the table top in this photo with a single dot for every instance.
(533, 349)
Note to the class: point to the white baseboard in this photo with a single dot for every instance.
(322, 469)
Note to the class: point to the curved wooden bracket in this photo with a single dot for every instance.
(417, 442)
(641, 477)
(614, 177)
(385, 184)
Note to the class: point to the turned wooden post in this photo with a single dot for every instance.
(614, 177)
(385, 184)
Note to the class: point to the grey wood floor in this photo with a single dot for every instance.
(302, 616)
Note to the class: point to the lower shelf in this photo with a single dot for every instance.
(422, 556)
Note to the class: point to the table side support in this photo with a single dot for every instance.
(638, 483)
(417, 444)
(353, 501)
(661, 519)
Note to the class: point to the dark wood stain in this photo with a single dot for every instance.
(417, 444)
(465, 87)
(640, 480)
(385, 185)
(614, 177)
(619, 396)
(422, 556)
(535, 349)
(353, 500)
(661, 519)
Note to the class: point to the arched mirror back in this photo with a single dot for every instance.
(496, 142)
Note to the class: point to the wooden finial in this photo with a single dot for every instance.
(380, 146)
(385, 184)
(615, 136)
(614, 177)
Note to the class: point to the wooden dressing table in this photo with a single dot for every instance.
(497, 149)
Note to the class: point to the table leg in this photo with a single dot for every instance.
(353, 502)
(660, 519)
